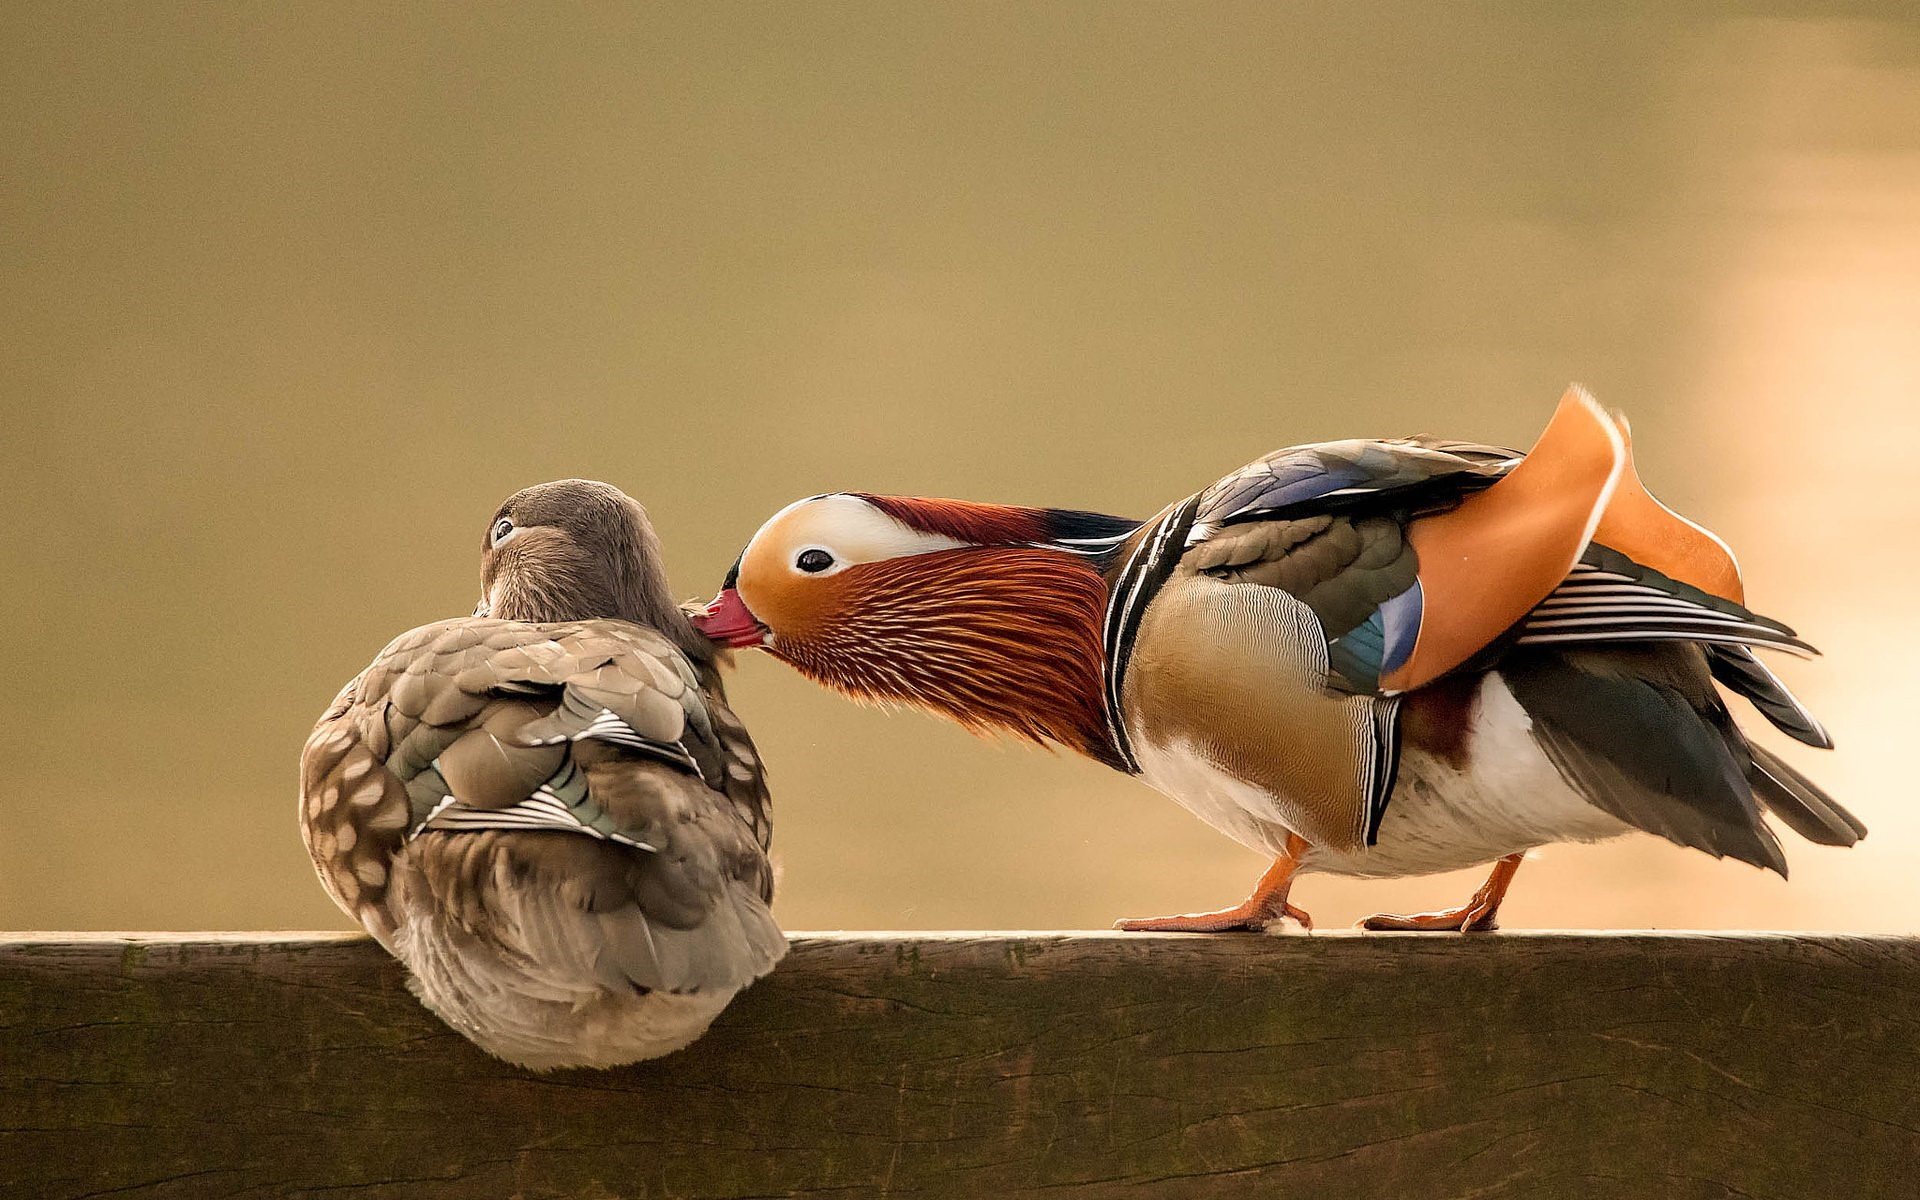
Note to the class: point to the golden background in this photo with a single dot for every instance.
(293, 295)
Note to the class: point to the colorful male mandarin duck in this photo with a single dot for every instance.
(1369, 658)
(545, 810)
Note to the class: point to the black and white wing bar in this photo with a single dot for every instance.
(562, 803)
(1597, 605)
(540, 811)
(607, 726)
(1133, 589)
(1383, 769)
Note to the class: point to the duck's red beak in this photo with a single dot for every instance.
(728, 622)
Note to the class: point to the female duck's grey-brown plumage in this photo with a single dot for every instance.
(548, 812)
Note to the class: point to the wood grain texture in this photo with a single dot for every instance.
(1095, 1065)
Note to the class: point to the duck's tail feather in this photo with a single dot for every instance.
(1799, 802)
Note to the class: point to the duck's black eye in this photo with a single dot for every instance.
(813, 561)
(502, 530)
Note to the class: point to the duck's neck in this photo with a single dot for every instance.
(624, 583)
(1002, 639)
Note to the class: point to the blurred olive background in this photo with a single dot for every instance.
(293, 295)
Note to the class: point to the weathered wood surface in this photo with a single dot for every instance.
(995, 1065)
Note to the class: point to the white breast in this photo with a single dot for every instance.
(1510, 798)
(1242, 811)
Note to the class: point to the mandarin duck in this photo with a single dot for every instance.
(546, 810)
(1368, 658)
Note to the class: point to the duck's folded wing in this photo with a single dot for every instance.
(1421, 557)
(354, 811)
(595, 729)
(691, 917)
(1318, 538)
(1642, 735)
(1330, 525)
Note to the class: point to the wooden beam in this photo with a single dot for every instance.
(989, 1065)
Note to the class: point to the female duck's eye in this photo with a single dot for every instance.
(502, 529)
(813, 561)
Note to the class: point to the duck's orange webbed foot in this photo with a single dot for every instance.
(1448, 920)
(1267, 904)
(1246, 915)
(1475, 916)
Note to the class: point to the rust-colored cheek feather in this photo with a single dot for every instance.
(995, 639)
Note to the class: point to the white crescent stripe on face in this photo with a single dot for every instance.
(847, 527)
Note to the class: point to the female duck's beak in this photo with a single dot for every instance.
(727, 621)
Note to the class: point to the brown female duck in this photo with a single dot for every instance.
(546, 810)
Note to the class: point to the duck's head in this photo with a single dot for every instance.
(987, 614)
(577, 549)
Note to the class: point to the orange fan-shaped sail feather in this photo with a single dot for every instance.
(1653, 535)
(1486, 563)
